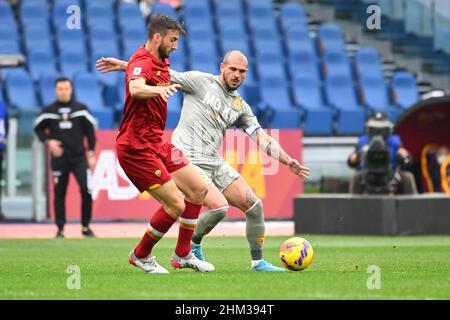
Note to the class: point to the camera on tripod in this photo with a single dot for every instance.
(377, 176)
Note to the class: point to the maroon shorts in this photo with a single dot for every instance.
(150, 168)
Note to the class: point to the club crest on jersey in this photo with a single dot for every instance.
(137, 71)
(237, 104)
(158, 73)
(158, 173)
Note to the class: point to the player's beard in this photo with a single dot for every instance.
(163, 52)
(231, 86)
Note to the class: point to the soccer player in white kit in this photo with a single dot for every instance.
(211, 105)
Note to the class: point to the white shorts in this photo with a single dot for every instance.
(222, 175)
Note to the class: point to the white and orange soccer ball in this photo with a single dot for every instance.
(296, 254)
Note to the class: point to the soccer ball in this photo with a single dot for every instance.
(296, 254)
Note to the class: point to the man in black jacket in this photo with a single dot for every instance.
(63, 126)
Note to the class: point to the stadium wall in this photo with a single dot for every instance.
(372, 215)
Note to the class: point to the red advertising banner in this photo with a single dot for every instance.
(115, 197)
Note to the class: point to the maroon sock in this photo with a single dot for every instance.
(188, 221)
(159, 224)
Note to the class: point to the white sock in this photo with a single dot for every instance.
(255, 262)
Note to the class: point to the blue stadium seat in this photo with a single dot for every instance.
(275, 95)
(234, 4)
(38, 37)
(130, 16)
(274, 92)
(239, 43)
(350, 122)
(269, 64)
(47, 88)
(164, 8)
(20, 91)
(304, 62)
(199, 46)
(103, 39)
(229, 13)
(173, 111)
(374, 93)
(178, 65)
(72, 62)
(173, 117)
(100, 15)
(230, 24)
(292, 14)
(197, 34)
(266, 37)
(254, 4)
(129, 11)
(134, 34)
(88, 91)
(297, 39)
(64, 2)
(404, 89)
(341, 95)
(330, 37)
(307, 94)
(262, 17)
(5, 72)
(367, 62)
(197, 11)
(40, 62)
(9, 47)
(131, 40)
(335, 62)
(8, 38)
(6, 13)
(33, 13)
(340, 92)
(120, 94)
(205, 62)
(71, 40)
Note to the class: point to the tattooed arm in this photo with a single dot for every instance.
(272, 148)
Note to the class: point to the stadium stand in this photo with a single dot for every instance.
(302, 75)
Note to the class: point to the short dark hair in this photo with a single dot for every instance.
(62, 79)
(160, 23)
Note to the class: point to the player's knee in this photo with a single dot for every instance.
(254, 204)
(220, 212)
(197, 195)
(256, 209)
(175, 208)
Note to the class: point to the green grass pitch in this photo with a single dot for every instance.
(411, 268)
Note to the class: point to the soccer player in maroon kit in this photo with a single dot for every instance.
(151, 164)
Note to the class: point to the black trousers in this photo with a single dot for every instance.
(61, 168)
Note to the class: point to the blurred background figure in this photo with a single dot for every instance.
(435, 169)
(63, 125)
(381, 161)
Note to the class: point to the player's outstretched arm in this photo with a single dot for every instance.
(139, 90)
(105, 65)
(272, 148)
